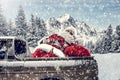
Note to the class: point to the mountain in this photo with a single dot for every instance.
(52, 25)
(85, 35)
(83, 28)
(67, 21)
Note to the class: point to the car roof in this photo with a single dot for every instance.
(11, 37)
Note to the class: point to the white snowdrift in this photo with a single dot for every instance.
(109, 66)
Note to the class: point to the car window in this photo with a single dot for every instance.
(20, 47)
(5, 44)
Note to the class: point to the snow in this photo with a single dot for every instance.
(31, 49)
(109, 66)
(56, 63)
(64, 18)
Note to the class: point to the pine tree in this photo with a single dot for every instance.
(104, 45)
(3, 23)
(37, 30)
(33, 25)
(41, 28)
(31, 34)
(20, 22)
(108, 39)
(9, 31)
(116, 41)
(99, 46)
(109, 31)
(118, 30)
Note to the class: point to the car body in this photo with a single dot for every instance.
(18, 66)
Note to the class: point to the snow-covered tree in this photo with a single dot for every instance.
(32, 26)
(108, 39)
(20, 22)
(3, 23)
(104, 44)
(115, 48)
(37, 30)
(41, 28)
(116, 40)
(118, 30)
(30, 37)
(98, 46)
(109, 30)
(9, 30)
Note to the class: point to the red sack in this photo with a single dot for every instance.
(50, 54)
(42, 54)
(76, 50)
(38, 53)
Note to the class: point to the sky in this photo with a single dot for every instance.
(96, 13)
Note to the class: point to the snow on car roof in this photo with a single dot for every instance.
(11, 37)
(7, 37)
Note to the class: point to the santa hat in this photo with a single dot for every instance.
(69, 34)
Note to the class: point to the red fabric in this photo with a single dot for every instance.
(42, 54)
(38, 53)
(50, 54)
(59, 39)
(76, 50)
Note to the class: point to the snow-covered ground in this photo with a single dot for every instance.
(109, 66)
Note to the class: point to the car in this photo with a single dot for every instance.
(16, 64)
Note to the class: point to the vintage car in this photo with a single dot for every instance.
(16, 64)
